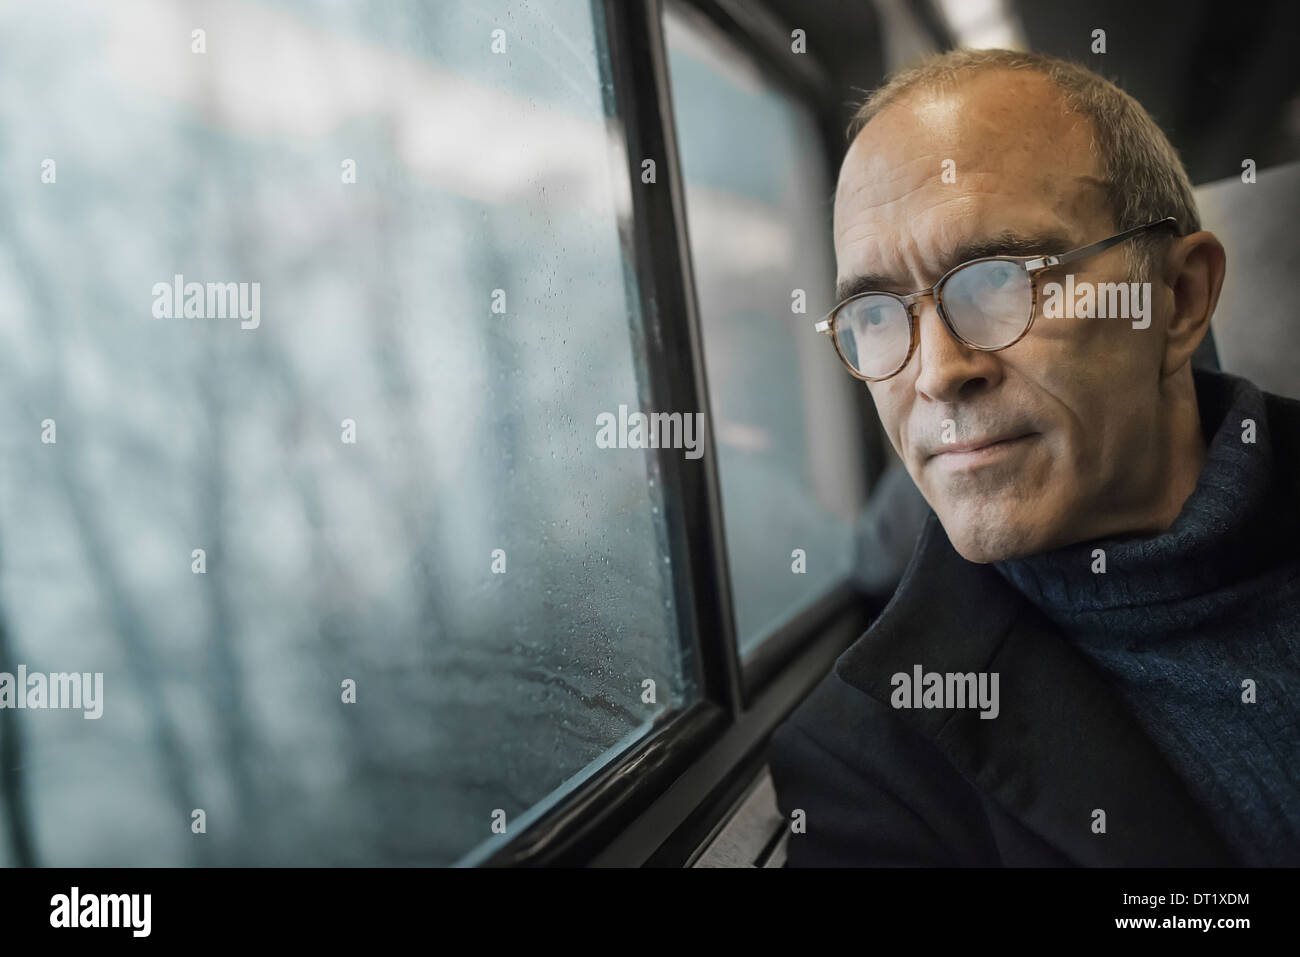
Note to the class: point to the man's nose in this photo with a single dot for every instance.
(949, 371)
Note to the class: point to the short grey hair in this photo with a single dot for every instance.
(1144, 178)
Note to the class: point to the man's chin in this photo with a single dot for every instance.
(990, 537)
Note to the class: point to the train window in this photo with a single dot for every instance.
(788, 432)
(311, 314)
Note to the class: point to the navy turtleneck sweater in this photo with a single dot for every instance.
(1183, 620)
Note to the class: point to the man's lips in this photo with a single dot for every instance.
(977, 445)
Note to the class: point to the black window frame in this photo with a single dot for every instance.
(657, 802)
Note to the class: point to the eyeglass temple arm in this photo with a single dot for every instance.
(1083, 252)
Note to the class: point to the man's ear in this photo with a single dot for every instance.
(1194, 269)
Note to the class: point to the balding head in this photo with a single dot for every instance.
(1143, 176)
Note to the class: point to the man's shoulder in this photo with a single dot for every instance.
(860, 731)
(863, 788)
(844, 721)
(850, 706)
(848, 717)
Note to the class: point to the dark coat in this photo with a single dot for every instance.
(914, 787)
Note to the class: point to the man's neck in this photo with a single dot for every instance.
(1184, 455)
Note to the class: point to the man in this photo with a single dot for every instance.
(1094, 655)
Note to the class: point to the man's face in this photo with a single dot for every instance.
(1076, 403)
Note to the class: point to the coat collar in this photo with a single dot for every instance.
(1063, 743)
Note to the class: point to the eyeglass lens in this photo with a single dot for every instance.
(989, 305)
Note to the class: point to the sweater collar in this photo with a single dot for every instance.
(1163, 583)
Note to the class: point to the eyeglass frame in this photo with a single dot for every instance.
(1033, 266)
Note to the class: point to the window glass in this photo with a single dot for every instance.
(338, 536)
(758, 203)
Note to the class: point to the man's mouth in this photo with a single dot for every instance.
(976, 452)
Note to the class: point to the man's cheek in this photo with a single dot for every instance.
(892, 415)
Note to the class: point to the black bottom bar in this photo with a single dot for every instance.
(573, 907)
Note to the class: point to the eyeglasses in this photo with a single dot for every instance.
(987, 304)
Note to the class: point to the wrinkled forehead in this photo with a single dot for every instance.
(938, 167)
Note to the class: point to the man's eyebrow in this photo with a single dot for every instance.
(1006, 243)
